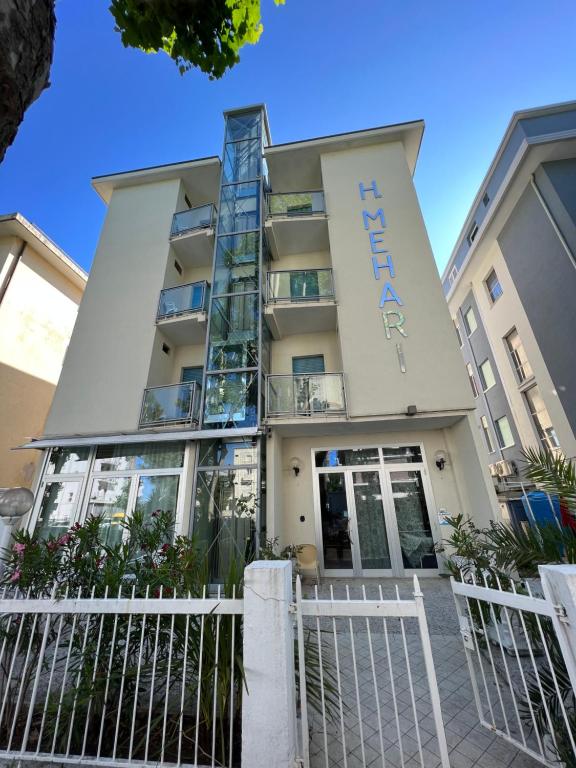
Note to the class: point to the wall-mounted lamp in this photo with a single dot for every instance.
(440, 458)
(295, 465)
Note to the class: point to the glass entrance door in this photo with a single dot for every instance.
(354, 525)
(375, 520)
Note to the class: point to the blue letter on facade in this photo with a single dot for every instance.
(377, 267)
(372, 188)
(374, 241)
(389, 294)
(378, 215)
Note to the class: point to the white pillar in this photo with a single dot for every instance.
(268, 706)
(559, 586)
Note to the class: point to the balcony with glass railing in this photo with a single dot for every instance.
(170, 405)
(296, 222)
(300, 301)
(182, 315)
(305, 395)
(192, 234)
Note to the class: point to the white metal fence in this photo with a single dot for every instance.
(121, 680)
(520, 663)
(367, 687)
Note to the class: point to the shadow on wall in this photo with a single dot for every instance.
(24, 404)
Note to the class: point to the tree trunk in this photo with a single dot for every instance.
(26, 47)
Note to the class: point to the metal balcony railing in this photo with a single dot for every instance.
(295, 204)
(182, 300)
(305, 394)
(171, 404)
(294, 285)
(201, 217)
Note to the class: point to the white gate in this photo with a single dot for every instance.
(122, 680)
(520, 665)
(367, 689)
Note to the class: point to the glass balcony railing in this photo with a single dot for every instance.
(296, 204)
(182, 300)
(300, 285)
(172, 404)
(201, 217)
(305, 394)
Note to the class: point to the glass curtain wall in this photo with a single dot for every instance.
(227, 502)
(232, 381)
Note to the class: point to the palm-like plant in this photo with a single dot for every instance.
(554, 473)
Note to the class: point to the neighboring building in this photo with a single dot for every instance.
(511, 286)
(266, 361)
(40, 290)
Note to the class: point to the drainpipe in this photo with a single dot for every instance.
(552, 219)
(11, 270)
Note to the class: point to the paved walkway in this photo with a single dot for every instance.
(370, 721)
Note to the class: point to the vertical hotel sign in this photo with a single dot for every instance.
(382, 264)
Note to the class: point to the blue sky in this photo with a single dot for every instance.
(321, 67)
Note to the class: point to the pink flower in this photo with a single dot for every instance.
(65, 539)
(165, 548)
(15, 576)
(19, 548)
(51, 546)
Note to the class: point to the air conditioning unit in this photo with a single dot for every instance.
(505, 468)
(493, 470)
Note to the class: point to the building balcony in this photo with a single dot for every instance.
(170, 405)
(296, 222)
(182, 313)
(305, 395)
(300, 301)
(192, 235)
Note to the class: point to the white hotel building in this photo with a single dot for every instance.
(264, 348)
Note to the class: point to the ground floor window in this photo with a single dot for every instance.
(373, 511)
(226, 503)
(112, 482)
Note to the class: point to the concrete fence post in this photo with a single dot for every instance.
(268, 706)
(559, 586)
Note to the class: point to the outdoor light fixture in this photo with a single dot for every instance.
(411, 410)
(440, 458)
(295, 465)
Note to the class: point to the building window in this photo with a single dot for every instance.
(192, 373)
(541, 419)
(472, 232)
(472, 380)
(486, 375)
(503, 432)
(470, 321)
(493, 286)
(458, 335)
(487, 435)
(308, 364)
(518, 356)
(486, 199)
(452, 275)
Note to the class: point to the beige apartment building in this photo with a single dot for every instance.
(40, 290)
(510, 285)
(264, 349)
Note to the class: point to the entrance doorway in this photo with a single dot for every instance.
(373, 512)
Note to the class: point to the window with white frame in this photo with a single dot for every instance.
(541, 419)
(504, 432)
(472, 379)
(458, 334)
(486, 375)
(487, 435)
(522, 367)
(470, 321)
(493, 286)
(111, 482)
(452, 275)
(472, 232)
